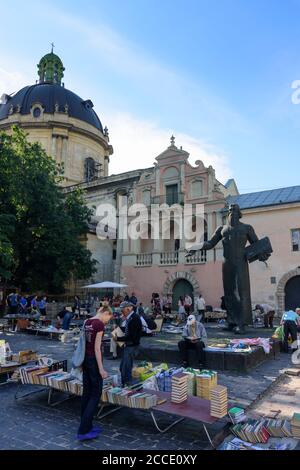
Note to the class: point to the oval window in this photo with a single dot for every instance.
(36, 112)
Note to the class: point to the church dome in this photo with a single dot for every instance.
(49, 96)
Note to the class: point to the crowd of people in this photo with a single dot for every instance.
(26, 305)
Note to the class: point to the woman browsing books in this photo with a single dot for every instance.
(93, 372)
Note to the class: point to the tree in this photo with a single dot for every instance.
(41, 242)
(6, 248)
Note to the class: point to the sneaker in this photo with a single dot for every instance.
(88, 436)
(97, 429)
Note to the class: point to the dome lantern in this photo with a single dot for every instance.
(51, 69)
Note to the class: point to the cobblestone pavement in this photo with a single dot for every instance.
(29, 423)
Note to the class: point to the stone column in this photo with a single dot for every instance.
(157, 181)
(182, 178)
(53, 147)
(105, 169)
(64, 152)
(59, 141)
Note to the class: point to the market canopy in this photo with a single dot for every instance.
(105, 285)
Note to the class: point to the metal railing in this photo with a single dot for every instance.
(162, 199)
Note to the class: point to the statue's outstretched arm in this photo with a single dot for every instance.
(217, 236)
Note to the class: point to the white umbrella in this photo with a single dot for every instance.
(105, 285)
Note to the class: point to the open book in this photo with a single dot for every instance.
(118, 332)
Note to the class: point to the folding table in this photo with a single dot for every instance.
(194, 408)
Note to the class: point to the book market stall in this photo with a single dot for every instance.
(182, 393)
(177, 392)
(261, 433)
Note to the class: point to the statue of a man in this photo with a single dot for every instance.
(236, 282)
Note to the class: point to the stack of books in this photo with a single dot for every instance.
(191, 383)
(237, 414)
(219, 401)
(206, 381)
(295, 425)
(179, 391)
(278, 427)
(129, 397)
(252, 431)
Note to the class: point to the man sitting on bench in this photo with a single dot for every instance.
(194, 337)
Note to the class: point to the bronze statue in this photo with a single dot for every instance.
(236, 282)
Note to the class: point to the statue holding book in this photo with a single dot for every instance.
(236, 282)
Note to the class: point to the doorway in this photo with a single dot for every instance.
(292, 293)
(181, 288)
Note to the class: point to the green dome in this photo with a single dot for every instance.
(51, 69)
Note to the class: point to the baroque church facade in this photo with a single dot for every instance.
(71, 132)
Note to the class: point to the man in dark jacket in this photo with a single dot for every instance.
(133, 333)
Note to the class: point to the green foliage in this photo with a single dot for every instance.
(40, 245)
(6, 249)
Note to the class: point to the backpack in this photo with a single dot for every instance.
(79, 353)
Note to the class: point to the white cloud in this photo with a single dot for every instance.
(137, 142)
(11, 81)
(172, 89)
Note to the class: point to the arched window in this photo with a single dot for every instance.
(89, 169)
(170, 173)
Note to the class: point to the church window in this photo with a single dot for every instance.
(147, 197)
(196, 189)
(172, 194)
(37, 111)
(296, 239)
(89, 169)
(170, 173)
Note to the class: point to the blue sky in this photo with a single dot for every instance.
(216, 73)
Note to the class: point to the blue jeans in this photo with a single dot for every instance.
(92, 390)
(66, 321)
(129, 353)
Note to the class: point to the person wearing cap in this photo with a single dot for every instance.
(131, 340)
(194, 337)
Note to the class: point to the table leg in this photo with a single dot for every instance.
(51, 390)
(100, 416)
(27, 394)
(168, 427)
(208, 436)
(7, 379)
